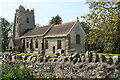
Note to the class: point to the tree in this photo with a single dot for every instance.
(104, 22)
(56, 20)
(85, 27)
(6, 31)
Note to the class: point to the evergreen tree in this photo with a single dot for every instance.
(56, 20)
(5, 33)
(104, 22)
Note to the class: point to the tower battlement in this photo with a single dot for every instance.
(22, 9)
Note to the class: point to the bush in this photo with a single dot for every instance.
(13, 72)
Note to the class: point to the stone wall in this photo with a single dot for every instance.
(90, 66)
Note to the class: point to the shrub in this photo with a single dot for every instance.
(13, 72)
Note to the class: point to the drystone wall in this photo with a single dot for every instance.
(90, 66)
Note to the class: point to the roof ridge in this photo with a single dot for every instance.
(64, 23)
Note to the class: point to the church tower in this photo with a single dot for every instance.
(24, 21)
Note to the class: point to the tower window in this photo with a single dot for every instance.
(77, 39)
(46, 44)
(58, 44)
(36, 44)
(17, 20)
(27, 20)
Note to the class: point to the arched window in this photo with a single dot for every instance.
(27, 20)
(10, 47)
(36, 44)
(46, 44)
(27, 45)
(77, 39)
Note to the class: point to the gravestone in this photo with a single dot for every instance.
(88, 57)
(109, 60)
(70, 58)
(79, 60)
(40, 59)
(95, 57)
(57, 54)
(76, 55)
(65, 59)
(116, 60)
(55, 59)
(71, 54)
(62, 51)
(83, 58)
(102, 58)
(42, 53)
(64, 54)
(25, 57)
(75, 60)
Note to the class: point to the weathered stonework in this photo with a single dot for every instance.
(72, 67)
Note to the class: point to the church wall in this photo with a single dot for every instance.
(77, 29)
(35, 50)
(53, 42)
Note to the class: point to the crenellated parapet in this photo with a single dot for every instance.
(22, 9)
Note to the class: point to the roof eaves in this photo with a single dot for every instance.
(62, 35)
(31, 36)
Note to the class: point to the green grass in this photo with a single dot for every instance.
(27, 54)
(106, 54)
(53, 54)
(2, 52)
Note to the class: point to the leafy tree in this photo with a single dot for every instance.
(56, 20)
(104, 22)
(6, 32)
(85, 27)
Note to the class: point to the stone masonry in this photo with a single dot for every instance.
(90, 66)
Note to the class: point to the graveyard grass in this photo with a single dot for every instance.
(53, 54)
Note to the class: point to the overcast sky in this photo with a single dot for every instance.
(46, 9)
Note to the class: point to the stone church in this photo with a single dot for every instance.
(65, 37)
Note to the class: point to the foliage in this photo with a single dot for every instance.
(56, 20)
(5, 34)
(13, 72)
(85, 27)
(104, 22)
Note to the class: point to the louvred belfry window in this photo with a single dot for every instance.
(27, 20)
(77, 39)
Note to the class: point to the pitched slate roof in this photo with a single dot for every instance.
(50, 30)
(36, 31)
(60, 30)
